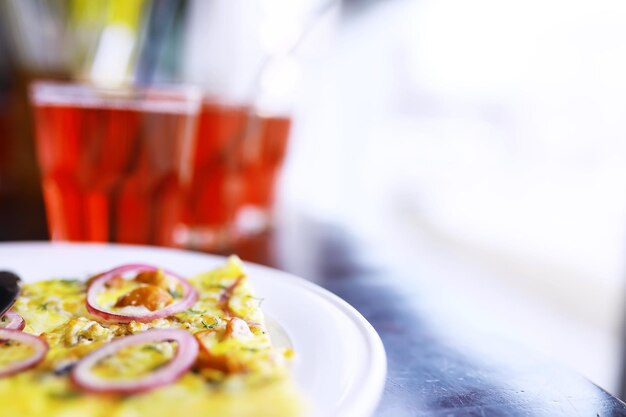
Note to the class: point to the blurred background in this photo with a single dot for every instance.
(483, 142)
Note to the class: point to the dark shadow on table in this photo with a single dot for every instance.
(433, 370)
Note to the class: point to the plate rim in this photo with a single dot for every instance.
(362, 402)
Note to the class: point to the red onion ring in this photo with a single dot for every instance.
(190, 296)
(227, 294)
(14, 321)
(39, 345)
(184, 358)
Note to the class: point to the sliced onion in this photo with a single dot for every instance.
(227, 294)
(183, 359)
(39, 346)
(13, 321)
(98, 285)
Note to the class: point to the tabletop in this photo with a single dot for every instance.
(436, 366)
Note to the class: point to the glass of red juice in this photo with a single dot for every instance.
(262, 156)
(115, 163)
(238, 155)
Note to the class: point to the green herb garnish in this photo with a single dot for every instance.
(216, 286)
(151, 348)
(208, 326)
(65, 395)
(260, 300)
(70, 281)
(174, 293)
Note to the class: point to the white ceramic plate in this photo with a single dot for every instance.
(340, 363)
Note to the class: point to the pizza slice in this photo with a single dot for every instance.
(143, 341)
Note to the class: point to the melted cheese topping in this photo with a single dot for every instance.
(238, 373)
